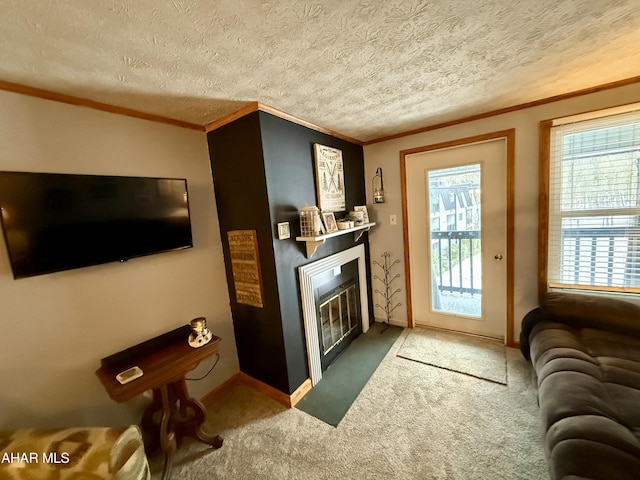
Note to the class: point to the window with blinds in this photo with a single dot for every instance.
(594, 204)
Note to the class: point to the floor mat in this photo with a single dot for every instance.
(468, 354)
(342, 382)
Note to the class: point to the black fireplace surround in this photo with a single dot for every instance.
(585, 350)
(263, 172)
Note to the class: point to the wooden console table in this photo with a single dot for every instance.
(173, 414)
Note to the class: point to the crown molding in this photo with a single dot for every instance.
(246, 110)
(257, 106)
(84, 102)
(278, 113)
(501, 111)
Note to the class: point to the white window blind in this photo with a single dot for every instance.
(594, 204)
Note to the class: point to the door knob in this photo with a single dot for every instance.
(498, 256)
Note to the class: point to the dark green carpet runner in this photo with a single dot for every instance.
(342, 382)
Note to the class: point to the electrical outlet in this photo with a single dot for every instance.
(393, 220)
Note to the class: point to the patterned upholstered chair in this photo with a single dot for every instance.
(73, 453)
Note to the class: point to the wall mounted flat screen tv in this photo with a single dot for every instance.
(53, 222)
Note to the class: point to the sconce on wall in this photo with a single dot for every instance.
(378, 187)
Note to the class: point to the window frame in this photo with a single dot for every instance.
(545, 141)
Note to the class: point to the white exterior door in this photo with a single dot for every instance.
(457, 235)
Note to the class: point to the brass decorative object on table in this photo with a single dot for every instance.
(200, 334)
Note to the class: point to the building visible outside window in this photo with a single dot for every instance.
(593, 222)
(451, 223)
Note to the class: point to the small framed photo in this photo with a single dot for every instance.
(284, 231)
(363, 209)
(329, 220)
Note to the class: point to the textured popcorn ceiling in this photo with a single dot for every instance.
(363, 69)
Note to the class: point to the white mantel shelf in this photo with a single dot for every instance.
(314, 242)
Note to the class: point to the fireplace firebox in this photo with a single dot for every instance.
(338, 310)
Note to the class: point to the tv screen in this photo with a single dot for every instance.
(53, 222)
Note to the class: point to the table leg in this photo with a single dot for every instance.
(167, 435)
(150, 423)
(193, 415)
(171, 416)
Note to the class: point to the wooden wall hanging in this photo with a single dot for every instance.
(245, 265)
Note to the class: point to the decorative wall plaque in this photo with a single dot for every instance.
(329, 178)
(245, 265)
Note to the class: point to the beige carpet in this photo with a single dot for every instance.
(410, 422)
(467, 354)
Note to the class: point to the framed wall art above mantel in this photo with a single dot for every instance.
(329, 178)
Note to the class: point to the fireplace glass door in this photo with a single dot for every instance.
(339, 317)
(339, 313)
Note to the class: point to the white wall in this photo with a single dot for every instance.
(385, 237)
(54, 329)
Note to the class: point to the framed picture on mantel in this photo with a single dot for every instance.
(329, 178)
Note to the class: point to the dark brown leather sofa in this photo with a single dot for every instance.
(585, 350)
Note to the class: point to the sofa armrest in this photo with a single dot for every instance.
(529, 321)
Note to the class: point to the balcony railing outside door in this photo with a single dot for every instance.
(456, 268)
